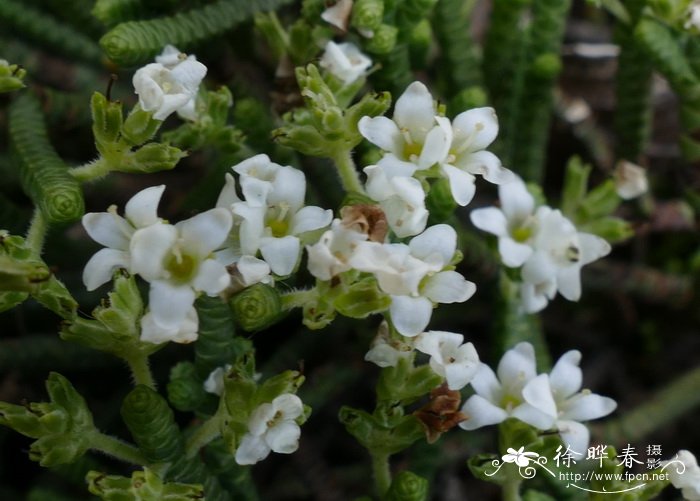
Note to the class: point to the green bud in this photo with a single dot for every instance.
(575, 186)
(10, 299)
(612, 229)
(286, 382)
(332, 124)
(371, 105)
(152, 424)
(257, 307)
(420, 42)
(139, 127)
(152, 157)
(362, 299)
(388, 438)
(302, 138)
(11, 76)
(546, 66)
(21, 275)
(142, 486)
(268, 24)
(301, 42)
(439, 201)
(417, 9)
(185, 389)
(600, 202)
(106, 121)
(53, 295)
(219, 103)
(123, 308)
(407, 486)
(238, 401)
(367, 14)
(471, 97)
(383, 41)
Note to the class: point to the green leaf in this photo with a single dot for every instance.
(142, 486)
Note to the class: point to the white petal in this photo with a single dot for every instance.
(251, 228)
(479, 126)
(539, 268)
(415, 111)
(462, 185)
(410, 315)
(538, 393)
(566, 375)
(448, 287)
(382, 132)
(289, 405)
(458, 376)
(228, 195)
(149, 247)
(281, 254)
(586, 406)
(258, 419)
(283, 438)
(533, 416)
(251, 450)
(592, 247)
(487, 165)
(569, 282)
(189, 73)
(480, 412)
(338, 14)
(255, 191)
(490, 219)
(205, 232)
(253, 270)
(486, 384)
(170, 104)
(142, 209)
(430, 342)
(574, 435)
(186, 332)
(532, 300)
(516, 201)
(517, 367)
(101, 266)
(169, 303)
(383, 355)
(513, 254)
(108, 229)
(437, 144)
(392, 166)
(288, 188)
(211, 277)
(438, 240)
(310, 218)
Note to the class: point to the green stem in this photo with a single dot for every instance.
(114, 447)
(298, 298)
(37, 233)
(381, 471)
(90, 171)
(511, 489)
(668, 404)
(349, 176)
(141, 372)
(207, 432)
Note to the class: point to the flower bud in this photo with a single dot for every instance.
(384, 39)
(139, 126)
(367, 14)
(142, 486)
(407, 486)
(152, 157)
(11, 76)
(106, 120)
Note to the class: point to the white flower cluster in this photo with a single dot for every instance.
(542, 242)
(177, 260)
(417, 142)
(170, 84)
(545, 401)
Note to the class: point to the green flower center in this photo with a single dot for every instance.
(182, 267)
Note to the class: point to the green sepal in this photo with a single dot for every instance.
(10, 299)
(371, 105)
(612, 229)
(439, 202)
(302, 138)
(139, 127)
(151, 422)
(62, 427)
(321, 312)
(361, 299)
(407, 486)
(151, 157)
(286, 382)
(385, 436)
(142, 486)
(52, 294)
(600, 202)
(257, 307)
(107, 121)
(185, 389)
(11, 76)
(405, 383)
(575, 186)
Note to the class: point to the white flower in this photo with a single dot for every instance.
(331, 254)
(271, 427)
(385, 351)
(401, 198)
(535, 297)
(562, 399)
(338, 14)
(684, 472)
(215, 381)
(630, 180)
(514, 223)
(185, 332)
(169, 85)
(345, 61)
(178, 262)
(515, 392)
(115, 233)
(450, 357)
(412, 274)
(559, 253)
(416, 138)
(471, 132)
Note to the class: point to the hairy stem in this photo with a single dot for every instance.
(208, 431)
(298, 298)
(511, 489)
(37, 233)
(90, 171)
(347, 171)
(140, 370)
(114, 447)
(381, 472)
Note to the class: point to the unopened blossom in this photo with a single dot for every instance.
(115, 233)
(513, 391)
(178, 262)
(338, 14)
(272, 427)
(185, 332)
(215, 381)
(415, 138)
(471, 132)
(169, 85)
(345, 61)
(272, 217)
(386, 351)
(414, 276)
(450, 357)
(630, 180)
(514, 223)
(684, 472)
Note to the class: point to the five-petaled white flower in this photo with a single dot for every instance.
(450, 357)
(272, 427)
(115, 233)
(331, 254)
(684, 472)
(170, 84)
(345, 61)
